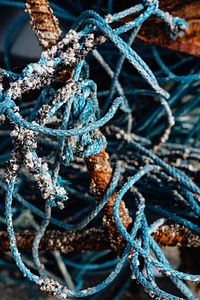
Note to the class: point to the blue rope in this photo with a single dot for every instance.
(46, 139)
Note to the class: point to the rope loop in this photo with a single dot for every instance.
(5, 105)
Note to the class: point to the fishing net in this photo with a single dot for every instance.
(99, 152)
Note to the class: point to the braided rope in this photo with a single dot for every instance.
(156, 155)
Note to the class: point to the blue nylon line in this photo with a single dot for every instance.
(40, 232)
(102, 26)
(159, 61)
(126, 12)
(78, 118)
(133, 58)
(110, 6)
(129, 239)
(173, 217)
(104, 283)
(15, 253)
(131, 55)
(117, 71)
(175, 22)
(35, 209)
(89, 218)
(181, 285)
(98, 207)
(17, 4)
(92, 266)
(188, 106)
(46, 221)
(119, 88)
(155, 115)
(180, 176)
(183, 78)
(139, 20)
(63, 133)
(150, 286)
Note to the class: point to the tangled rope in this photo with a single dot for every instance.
(151, 133)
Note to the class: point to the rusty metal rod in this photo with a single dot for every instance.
(95, 239)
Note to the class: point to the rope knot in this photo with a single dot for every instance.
(177, 26)
(84, 112)
(6, 104)
(153, 3)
